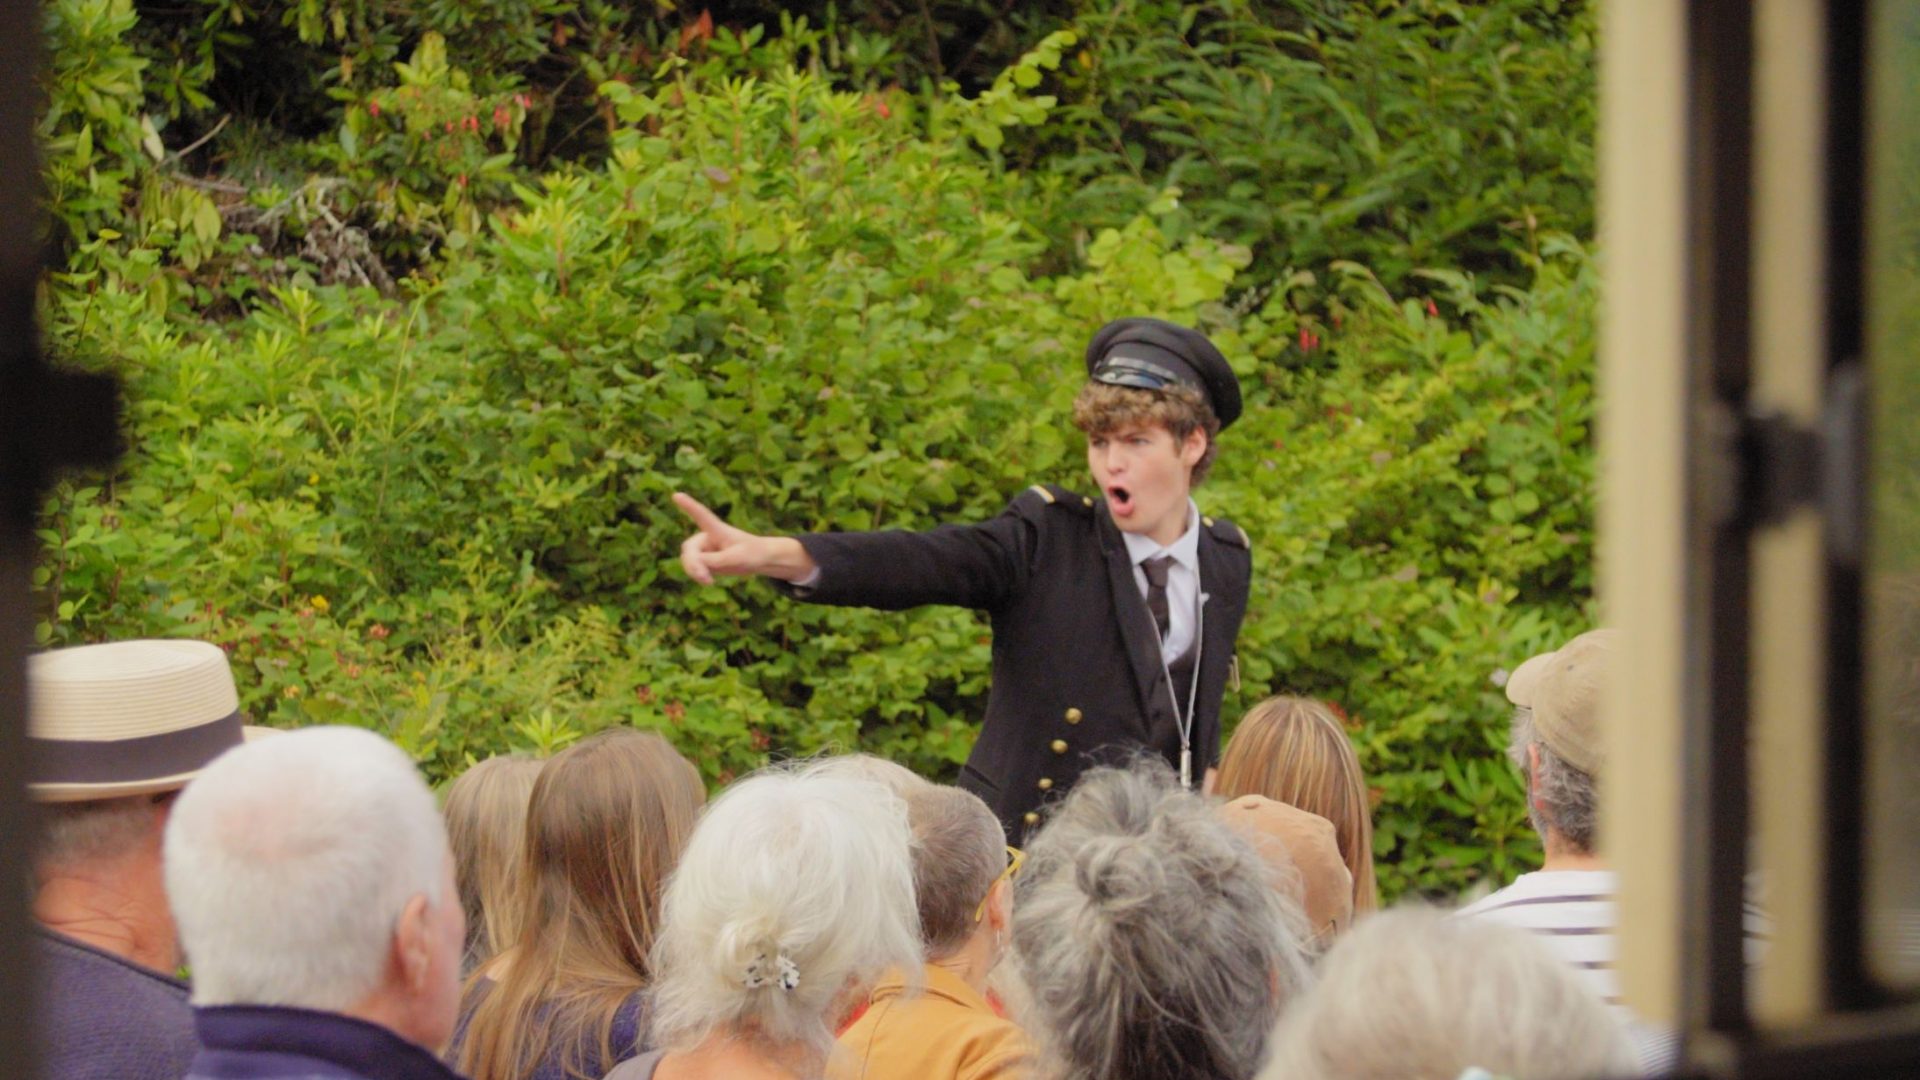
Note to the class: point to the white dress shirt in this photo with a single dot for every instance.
(1183, 580)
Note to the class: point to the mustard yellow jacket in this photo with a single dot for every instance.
(946, 1032)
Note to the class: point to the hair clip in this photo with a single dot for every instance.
(785, 973)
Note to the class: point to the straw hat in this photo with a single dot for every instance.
(127, 718)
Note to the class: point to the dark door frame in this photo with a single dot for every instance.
(48, 420)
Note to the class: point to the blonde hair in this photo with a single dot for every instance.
(1293, 750)
(486, 812)
(1101, 408)
(607, 821)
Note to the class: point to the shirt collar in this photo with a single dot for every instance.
(938, 982)
(1185, 551)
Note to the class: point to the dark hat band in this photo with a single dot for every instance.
(1146, 367)
(132, 761)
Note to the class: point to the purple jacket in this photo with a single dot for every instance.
(99, 1017)
(269, 1042)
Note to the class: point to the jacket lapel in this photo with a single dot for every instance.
(1136, 623)
(1221, 627)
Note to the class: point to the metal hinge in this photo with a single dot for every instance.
(1762, 466)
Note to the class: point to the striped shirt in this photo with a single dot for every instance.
(1573, 912)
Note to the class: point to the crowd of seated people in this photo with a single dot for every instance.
(222, 906)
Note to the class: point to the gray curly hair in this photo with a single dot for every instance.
(1562, 798)
(1149, 936)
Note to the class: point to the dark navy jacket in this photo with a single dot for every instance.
(1077, 673)
(100, 1017)
(266, 1042)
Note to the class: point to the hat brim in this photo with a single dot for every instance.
(126, 789)
(1526, 679)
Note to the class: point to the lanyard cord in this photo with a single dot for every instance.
(1183, 722)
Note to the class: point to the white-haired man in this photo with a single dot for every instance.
(114, 732)
(313, 886)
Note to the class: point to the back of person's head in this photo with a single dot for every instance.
(1557, 737)
(1294, 750)
(1414, 994)
(98, 832)
(486, 812)
(115, 731)
(290, 862)
(895, 776)
(793, 897)
(1149, 936)
(959, 852)
(606, 823)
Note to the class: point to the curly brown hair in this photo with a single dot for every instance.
(1101, 409)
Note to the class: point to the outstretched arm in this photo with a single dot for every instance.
(976, 566)
(717, 549)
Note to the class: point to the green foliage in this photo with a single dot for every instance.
(426, 152)
(92, 131)
(405, 406)
(1421, 498)
(1402, 136)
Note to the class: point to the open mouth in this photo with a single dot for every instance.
(1120, 500)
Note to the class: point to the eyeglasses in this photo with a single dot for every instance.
(1015, 857)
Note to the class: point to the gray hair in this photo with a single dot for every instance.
(289, 861)
(1415, 994)
(77, 833)
(958, 853)
(1561, 797)
(796, 885)
(1150, 936)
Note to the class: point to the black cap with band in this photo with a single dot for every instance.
(1152, 354)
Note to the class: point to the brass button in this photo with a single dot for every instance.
(1207, 521)
(1031, 818)
(1086, 500)
(1046, 783)
(1074, 716)
(1059, 746)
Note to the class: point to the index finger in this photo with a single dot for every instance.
(708, 521)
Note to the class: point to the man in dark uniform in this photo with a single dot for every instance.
(1113, 617)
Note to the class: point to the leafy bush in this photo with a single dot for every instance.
(1421, 501)
(438, 507)
(1402, 136)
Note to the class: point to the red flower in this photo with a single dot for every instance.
(1306, 339)
(373, 108)
(449, 127)
(501, 117)
(472, 123)
(1432, 308)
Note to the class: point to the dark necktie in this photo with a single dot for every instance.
(1156, 569)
